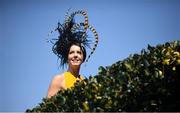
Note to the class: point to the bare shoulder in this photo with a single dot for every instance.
(58, 76)
(57, 84)
(58, 80)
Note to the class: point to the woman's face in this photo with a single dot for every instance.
(75, 56)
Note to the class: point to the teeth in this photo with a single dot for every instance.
(75, 60)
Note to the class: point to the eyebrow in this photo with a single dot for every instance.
(75, 50)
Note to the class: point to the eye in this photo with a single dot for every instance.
(70, 52)
(79, 52)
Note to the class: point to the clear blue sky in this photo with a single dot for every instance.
(27, 63)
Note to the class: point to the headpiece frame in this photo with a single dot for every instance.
(71, 32)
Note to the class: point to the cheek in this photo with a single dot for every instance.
(69, 57)
(81, 56)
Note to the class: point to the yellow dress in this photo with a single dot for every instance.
(70, 79)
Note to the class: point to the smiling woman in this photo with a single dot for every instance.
(76, 57)
(70, 49)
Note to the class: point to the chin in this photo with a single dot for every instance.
(75, 64)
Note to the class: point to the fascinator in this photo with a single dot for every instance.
(71, 32)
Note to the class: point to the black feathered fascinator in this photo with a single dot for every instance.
(70, 33)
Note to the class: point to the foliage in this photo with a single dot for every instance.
(147, 81)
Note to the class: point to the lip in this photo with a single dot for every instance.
(75, 60)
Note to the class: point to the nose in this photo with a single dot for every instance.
(75, 55)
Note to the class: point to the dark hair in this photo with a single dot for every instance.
(62, 46)
(71, 33)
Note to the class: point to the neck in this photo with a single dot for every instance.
(74, 71)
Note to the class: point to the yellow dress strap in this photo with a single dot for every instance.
(70, 79)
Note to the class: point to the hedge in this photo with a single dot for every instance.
(147, 81)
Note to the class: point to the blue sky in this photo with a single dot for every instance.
(27, 63)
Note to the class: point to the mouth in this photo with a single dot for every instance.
(75, 60)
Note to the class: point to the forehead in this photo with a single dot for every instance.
(75, 48)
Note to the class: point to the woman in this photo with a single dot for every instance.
(70, 48)
(76, 57)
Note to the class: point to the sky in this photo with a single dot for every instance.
(27, 63)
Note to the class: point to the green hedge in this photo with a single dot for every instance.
(147, 81)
